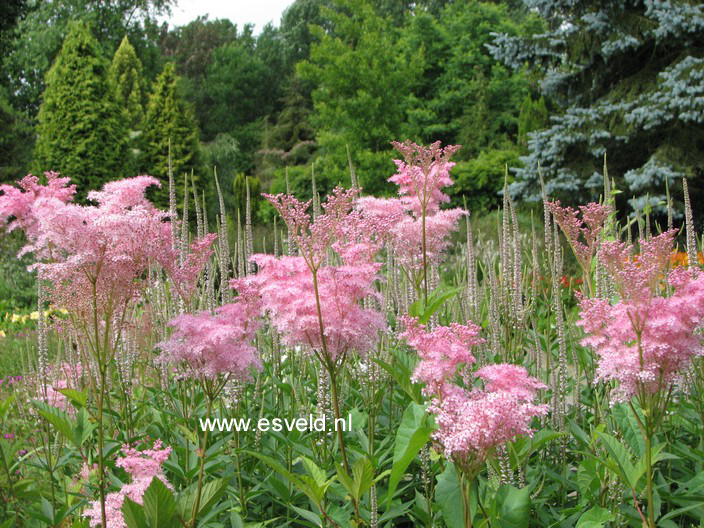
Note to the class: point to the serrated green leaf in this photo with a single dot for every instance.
(594, 518)
(133, 514)
(412, 434)
(512, 506)
(159, 505)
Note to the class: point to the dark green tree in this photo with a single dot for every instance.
(533, 116)
(170, 120)
(39, 36)
(629, 77)
(128, 83)
(239, 92)
(362, 78)
(16, 137)
(464, 95)
(81, 131)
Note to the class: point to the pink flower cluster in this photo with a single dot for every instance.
(292, 289)
(143, 467)
(209, 345)
(423, 173)
(104, 248)
(471, 422)
(339, 227)
(582, 234)
(474, 422)
(421, 179)
(442, 351)
(287, 295)
(644, 341)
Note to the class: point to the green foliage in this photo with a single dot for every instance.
(128, 83)
(463, 95)
(16, 140)
(362, 77)
(39, 36)
(81, 130)
(533, 116)
(169, 121)
(480, 180)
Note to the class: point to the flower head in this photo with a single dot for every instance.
(442, 351)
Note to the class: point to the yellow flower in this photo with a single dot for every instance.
(63, 311)
(2, 333)
(25, 317)
(34, 316)
(16, 317)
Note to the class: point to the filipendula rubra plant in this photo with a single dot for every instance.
(315, 299)
(472, 421)
(417, 228)
(583, 234)
(95, 259)
(213, 349)
(645, 341)
(142, 467)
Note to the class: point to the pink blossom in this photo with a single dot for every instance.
(472, 423)
(210, 345)
(441, 351)
(505, 377)
(644, 341)
(582, 234)
(143, 467)
(423, 174)
(403, 229)
(638, 278)
(97, 256)
(339, 226)
(286, 293)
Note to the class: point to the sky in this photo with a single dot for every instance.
(240, 12)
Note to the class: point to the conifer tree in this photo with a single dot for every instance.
(128, 83)
(169, 118)
(81, 131)
(630, 79)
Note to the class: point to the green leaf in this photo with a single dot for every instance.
(594, 518)
(78, 397)
(308, 515)
(133, 514)
(210, 495)
(56, 417)
(159, 505)
(303, 483)
(361, 480)
(512, 506)
(5, 406)
(413, 432)
(435, 301)
(448, 495)
(621, 456)
(83, 429)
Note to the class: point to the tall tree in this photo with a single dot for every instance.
(81, 131)
(630, 77)
(169, 121)
(128, 83)
(16, 138)
(39, 36)
(362, 79)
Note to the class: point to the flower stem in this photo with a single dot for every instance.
(202, 462)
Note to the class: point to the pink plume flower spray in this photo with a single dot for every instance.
(472, 421)
(645, 341)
